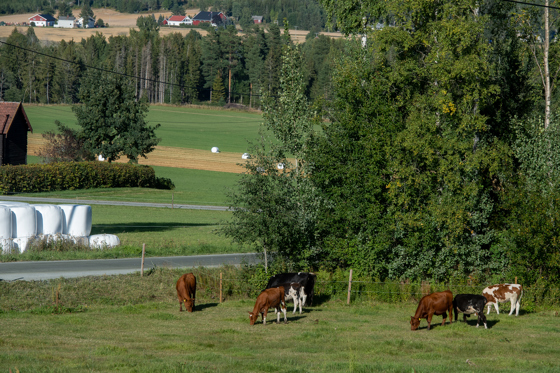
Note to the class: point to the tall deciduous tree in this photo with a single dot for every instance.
(112, 120)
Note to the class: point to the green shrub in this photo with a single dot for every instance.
(78, 175)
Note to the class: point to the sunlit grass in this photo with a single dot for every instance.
(131, 323)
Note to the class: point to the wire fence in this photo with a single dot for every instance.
(233, 283)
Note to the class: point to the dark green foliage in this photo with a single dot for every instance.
(77, 175)
(112, 120)
(65, 146)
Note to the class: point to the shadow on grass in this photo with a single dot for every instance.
(141, 227)
(202, 307)
(489, 323)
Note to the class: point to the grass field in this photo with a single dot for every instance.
(132, 324)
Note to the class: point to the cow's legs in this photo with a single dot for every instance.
(284, 309)
(444, 318)
(497, 307)
(181, 306)
(429, 320)
(300, 304)
(513, 301)
(295, 304)
(264, 316)
(489, 306)
(517, 305)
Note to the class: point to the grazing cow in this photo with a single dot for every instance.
(502, 293)
(307, 280)
(469, 304)
(296, 292)
(186, 291)
(433, 304)
(269, 298)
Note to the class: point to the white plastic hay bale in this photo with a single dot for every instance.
(11, 203)
(6, 245)
(24, 221)
(246, 156)
(5, 222)
(50, 219)
(281, 166)
(103, 241)
(215, 149)
(81, 240)
(21, 244)
(77, 220)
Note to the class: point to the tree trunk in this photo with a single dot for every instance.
(547, 90)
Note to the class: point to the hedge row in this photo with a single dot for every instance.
(77, 175)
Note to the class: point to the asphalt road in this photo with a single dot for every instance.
(46, 270)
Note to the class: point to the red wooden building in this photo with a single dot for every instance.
(14, 126)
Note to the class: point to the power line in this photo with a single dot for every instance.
(533, 4)
(115, 72)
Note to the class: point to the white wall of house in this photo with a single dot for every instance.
(66, 23)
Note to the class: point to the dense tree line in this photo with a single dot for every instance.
(435, 162)
(170, 69)
(305, 15)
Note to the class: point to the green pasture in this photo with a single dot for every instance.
(132, 324)
(165, 232)
(192, 187)
(181, 127)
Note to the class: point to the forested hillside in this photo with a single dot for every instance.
(304, 14)
(171, 69)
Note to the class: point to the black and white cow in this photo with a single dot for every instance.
(296, 292)
(469, 304)
(307, 280)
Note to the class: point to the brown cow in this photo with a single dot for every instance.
(186, 291)
(433, 304)
(269, 298)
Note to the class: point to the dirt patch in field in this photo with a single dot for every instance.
(168, 156)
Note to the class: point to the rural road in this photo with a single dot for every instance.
(46, 270)
(110, 203)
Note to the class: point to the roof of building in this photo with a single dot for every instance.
(65, 18)
(177, 18)
(46, 17)
(205, 16)
(8, 111)
(258, 18)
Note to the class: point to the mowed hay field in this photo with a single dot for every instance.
(130, 323)
(188, 135)
(119, 24)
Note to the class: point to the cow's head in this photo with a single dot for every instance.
(253, 317)
(189, 304)
(414, 323)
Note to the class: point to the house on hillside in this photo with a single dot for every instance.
(66, 22)
(89, 24)
(42, 20)
(14, 126)
(179, 20)
(257, 19)
(214, 18)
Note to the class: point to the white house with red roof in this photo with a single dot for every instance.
(42, 20)
(179, 20)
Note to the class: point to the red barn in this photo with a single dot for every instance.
(14, 126)
(215, 18)
(42, 20)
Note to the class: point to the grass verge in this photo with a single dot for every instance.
(165, 232)
(131, 323)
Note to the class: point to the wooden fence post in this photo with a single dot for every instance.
(143, 254)
(349, 287)
(220, 287)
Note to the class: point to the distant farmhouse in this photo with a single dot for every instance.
(66, 22)
(214, 18)
(14, 126)
(178, 21)
(42, 20)
(89, 24)
(257, 19)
